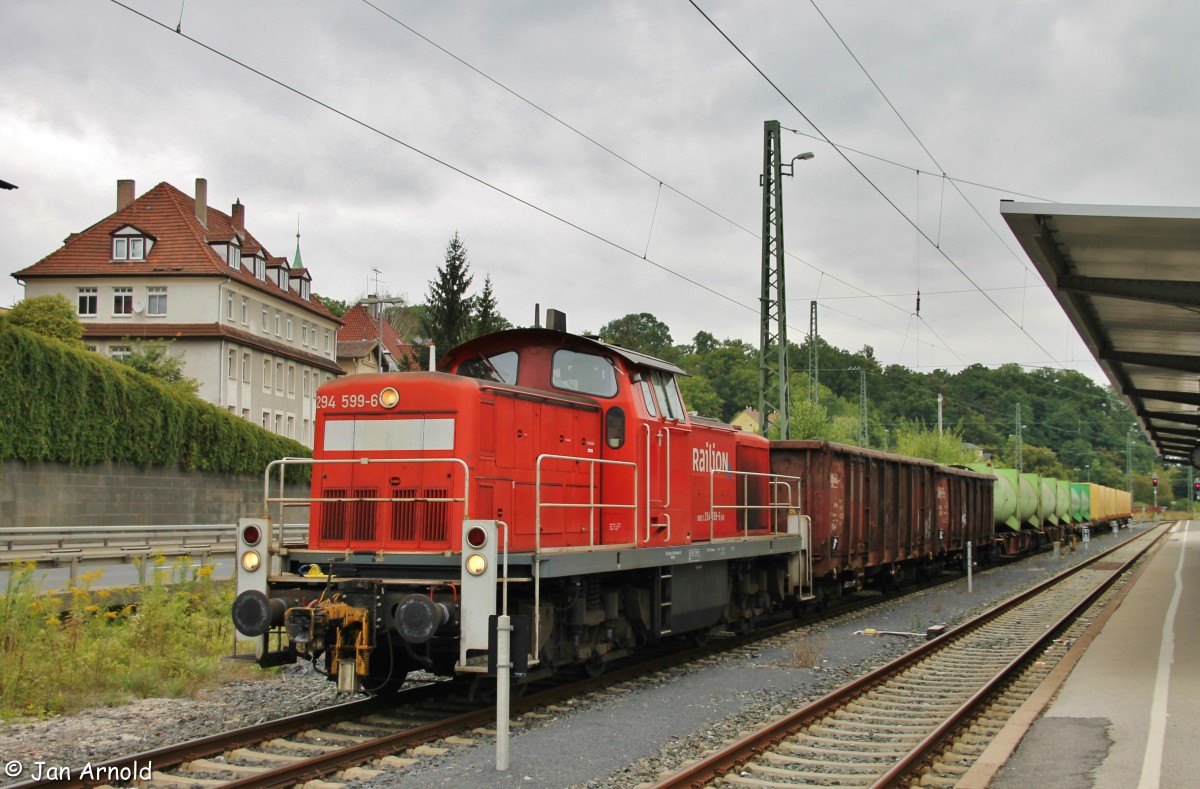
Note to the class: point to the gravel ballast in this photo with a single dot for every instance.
(620, 738)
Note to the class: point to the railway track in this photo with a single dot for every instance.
(924, 717)
(334, 744)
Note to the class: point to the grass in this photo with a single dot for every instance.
(55, 661)
(805, 652)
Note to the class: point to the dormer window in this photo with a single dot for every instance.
(304, 289)
(260, 269)
(129, 243)
(283, 278)
(233, 256)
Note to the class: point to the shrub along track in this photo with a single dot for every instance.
(334, 741)
(907, 722)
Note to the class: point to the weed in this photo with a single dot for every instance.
(806, 651)
(168, 644)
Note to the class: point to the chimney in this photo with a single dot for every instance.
(124, 193)
(202, 201)
(238, 216)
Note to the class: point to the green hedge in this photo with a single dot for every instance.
(69, 406)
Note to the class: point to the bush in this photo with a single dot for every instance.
(71, 406)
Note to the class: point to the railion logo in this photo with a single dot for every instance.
(707, 458)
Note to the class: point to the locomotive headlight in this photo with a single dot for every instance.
(389, 397)
(476, 564)
(251, 561)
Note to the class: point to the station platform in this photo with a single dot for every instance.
(1122, 710)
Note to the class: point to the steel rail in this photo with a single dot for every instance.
(173, 756)
(712, 767)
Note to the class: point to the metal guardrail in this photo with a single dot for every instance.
(92, 546)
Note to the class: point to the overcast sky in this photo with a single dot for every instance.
(603, 158)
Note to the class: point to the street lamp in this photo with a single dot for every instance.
(378, 302)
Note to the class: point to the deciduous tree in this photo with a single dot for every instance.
(50, 316)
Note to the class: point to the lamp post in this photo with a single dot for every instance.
(379, 302)
(773, 301)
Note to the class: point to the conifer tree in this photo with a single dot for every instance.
(486, 316)
(447, 319)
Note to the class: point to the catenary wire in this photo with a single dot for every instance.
(870, 182)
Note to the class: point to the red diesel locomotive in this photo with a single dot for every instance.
(559, 478)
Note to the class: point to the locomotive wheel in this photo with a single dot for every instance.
(699, 638)
(594, 668)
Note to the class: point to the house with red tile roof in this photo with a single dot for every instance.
(359, 340)
(167, 266)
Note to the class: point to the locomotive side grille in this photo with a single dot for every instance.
(333, 515)
(436, 516)
(404, 515)
(421, 520)
(362, 515)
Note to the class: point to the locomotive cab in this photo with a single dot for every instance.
(620, 518)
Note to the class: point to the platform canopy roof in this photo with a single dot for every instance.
(1128, 277)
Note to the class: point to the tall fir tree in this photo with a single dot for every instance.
(447, 319)
(486, 316)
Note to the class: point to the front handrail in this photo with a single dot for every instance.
(285, 502)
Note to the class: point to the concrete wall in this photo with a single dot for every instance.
(50, 494)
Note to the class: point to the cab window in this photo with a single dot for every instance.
(648, 397)
(668, 395)
(500, 368)
(585, 373)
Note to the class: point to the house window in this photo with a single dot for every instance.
(304, 332)
(229, 305)
(327, 341)
(304, 433)
(289, 327)
(245, 311)
(291, 390)
(266, 374)
(91, 348)
(304, 289)
(231, 365)
(129, 248)
(260, 269)
(306, 383)
(87, 301)
(266, 419)
(233, 256)
(120, 352)
(291, 426)
(245, 368)
(156, 303)
(266, 327)
(279, 424)
(278, 376)
(276, 323)
(283, 279)
(122, 301)
(246, 414)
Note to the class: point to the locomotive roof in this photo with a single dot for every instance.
(550, 338)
